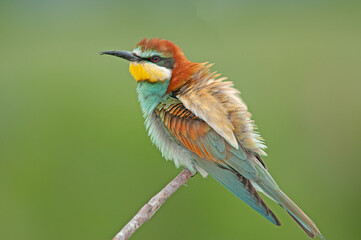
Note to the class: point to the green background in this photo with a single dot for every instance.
(75, 159)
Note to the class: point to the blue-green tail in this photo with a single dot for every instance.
(295, 212)
(239, 186)
(245, 190)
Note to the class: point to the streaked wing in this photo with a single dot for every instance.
(239, 186)
(190, 130)
(218, 103)
(226, 164)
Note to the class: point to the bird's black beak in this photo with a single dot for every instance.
(123, 54)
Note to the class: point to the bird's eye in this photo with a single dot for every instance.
(155, 59)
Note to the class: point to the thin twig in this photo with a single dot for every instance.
(149, 209)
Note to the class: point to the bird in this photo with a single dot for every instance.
(198, 120)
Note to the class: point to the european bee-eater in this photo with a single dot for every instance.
(199, 121)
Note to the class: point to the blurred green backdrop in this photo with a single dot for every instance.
(75, 159)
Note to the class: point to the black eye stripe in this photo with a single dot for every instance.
(163, 62)
(151, 59)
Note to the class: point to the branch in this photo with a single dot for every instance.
(149, 209)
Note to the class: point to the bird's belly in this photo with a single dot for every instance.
(170, 149)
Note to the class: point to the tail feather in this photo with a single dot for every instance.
(299, 216)
(295, 212)
(246, 189)
(239, 186)
(309, 233)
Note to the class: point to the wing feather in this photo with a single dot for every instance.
(217, 103)
(228, 165)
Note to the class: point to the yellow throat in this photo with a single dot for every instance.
(149, 72)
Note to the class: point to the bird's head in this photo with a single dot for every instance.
(158, 60)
